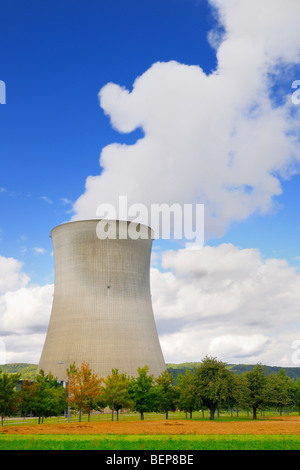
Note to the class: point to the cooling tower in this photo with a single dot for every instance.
(102, 311)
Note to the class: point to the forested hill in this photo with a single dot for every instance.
(291, 372)
(28, 371)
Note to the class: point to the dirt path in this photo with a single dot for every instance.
(282, 425)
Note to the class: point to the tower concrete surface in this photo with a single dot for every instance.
(102, 311)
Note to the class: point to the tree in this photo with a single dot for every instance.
(187, 392)
(242, 392)
(279, 390)
(258, 388)
(213, 384)
(143, 392)
(236, 395)
(85, 391)
(295, 393)
(8, 394)
(116, 393)
(44, 396)
(166, 392)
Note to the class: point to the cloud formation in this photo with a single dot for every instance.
(217, 138)
(228, 302)
(24, 313)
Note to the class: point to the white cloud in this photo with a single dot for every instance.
(24, 313)
(223, 301)
(228, 302)
(65, 201)
(11, 277)
(216, 139)
(38, 250)
(47, 199)
(239, 346)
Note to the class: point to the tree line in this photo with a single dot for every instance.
(209, 386)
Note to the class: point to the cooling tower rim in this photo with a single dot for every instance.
(88, 221)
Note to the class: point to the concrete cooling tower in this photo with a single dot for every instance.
(102, 311)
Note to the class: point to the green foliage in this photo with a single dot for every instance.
(138, 442)
(279, 390)
(214, 384)
(295, 393)
(187, 392)
(8, 394)
(258, 387)
(210, 384)
(43, 397)
(177, 369)
(84, 388)
(116, 392)
(167, 393)
(142, 392)
(26, 371)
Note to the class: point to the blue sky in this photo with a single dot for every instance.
(56, 56)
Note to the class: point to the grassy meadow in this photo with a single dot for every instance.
(142, 442)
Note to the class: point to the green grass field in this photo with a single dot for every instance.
(138, 442)
(133, 416)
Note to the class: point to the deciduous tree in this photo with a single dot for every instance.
(8, 394)
(258, 388)
(213, 384)
(116, 393)
(167, 392)
(44, 396)
(85, 391)
(143, 392)
(187, 396)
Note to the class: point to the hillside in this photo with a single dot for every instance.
(27, 371)
(291, 372)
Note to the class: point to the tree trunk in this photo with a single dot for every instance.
(117, 415)
(80, 415)
(142, 415)
(112, 414)
(191, 414)
(254, 413)
(167, 414)
(212, 413)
